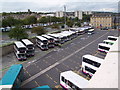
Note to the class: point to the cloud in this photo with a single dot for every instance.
(57, 5)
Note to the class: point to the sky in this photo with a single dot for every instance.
(57, 5)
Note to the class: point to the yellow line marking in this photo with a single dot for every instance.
(37, 83)
(58, 70)
(55, 82)
(28, 73)
(49, 76)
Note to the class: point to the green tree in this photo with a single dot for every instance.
(10, 21)
(78, 24)
(69, 23)
(39, 30)
(55, 26)
(30, 20)
(43, 20)
(18, 33)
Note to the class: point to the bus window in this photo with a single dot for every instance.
(91, 62)
(90, 70)
(106, 48)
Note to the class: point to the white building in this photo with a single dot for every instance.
(78, 14)
(87, 12)
(60, 14)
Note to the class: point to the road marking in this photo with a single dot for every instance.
(49, 76)
(57, 63)
(58, 70)
(37, 83)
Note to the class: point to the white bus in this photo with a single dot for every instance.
(90, 31)
(42, 42)
(50, 41)
(102, 47)
(29, 46)
(90, 64)
(71, 80)
(110, 42)
(112, 38)
(58, 37)
(20, 50)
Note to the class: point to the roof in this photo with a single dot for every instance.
(42, 87)
(91, 30)
(46, 36)
(73, 77)
(113, 37)
(103, 44)
(19, 44)
(109, 41)
(27, 42)
(41, 38)
(108, 71)
(10, 76)
(93, 58)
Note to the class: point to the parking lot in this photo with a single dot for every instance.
(45, 68)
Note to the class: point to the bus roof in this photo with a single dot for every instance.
(109, 41)
(41, 38)
(93, 58)
(75, 79)
(10, 76)
(42, 87)
(47, 36)
(103, 44)
(91, 30)
(113, 37)
(27, 42)
(19, 44)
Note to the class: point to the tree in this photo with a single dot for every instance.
(10, 21)
(18, 33)
(30, 20)
(78, 24)
(38, 30)
(69, 23)
(55, 26)
(43, 20)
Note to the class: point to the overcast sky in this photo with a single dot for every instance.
(57, 5)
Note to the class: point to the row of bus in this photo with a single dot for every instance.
(50, 40)
(23, 49)
(106, 45)
(14, 77)
(90, 64)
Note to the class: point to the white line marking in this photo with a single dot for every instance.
(57, 63)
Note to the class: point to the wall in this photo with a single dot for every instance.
(9, 48)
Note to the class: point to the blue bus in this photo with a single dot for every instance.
(13, 77)
(45, 87)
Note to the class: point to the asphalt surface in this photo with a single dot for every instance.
(38, 70)
(46, 70)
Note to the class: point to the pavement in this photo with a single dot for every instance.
(45, 68)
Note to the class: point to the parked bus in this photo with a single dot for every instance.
(110, 42)
(20, 50)
(50, 41)
(103, 47)
(42, 42)
(46, 87)
(59, 37)
(29, 46)
(113, 38)
(71, 80)
(90, 31)
(90, 64)
(12, 78)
